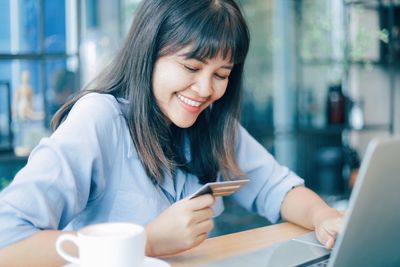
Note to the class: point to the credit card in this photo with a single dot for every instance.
(218, 189)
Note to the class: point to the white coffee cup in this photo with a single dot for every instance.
(105, 245)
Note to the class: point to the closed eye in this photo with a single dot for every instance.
(221, 77)
(190, 68)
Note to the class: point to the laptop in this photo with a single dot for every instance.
(371, 229)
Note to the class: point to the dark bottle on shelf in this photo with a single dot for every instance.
(335, 105)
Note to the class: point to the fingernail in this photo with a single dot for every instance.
(327, 244)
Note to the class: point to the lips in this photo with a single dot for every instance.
(188, 101)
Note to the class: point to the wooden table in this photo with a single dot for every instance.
(220, 247)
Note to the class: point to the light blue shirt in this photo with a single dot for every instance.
(88, 171)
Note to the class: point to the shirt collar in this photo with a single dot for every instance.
(173, 186)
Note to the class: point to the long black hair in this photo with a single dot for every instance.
(163, 27)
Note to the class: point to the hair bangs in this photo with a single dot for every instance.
(210, 35)
(219, 36)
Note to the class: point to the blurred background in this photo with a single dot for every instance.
(321, 80)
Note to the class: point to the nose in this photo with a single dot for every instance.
(203, 86)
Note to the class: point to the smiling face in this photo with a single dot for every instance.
(184, 87)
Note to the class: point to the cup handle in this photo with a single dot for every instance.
(60, 250)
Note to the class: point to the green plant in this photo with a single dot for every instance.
(4, 182)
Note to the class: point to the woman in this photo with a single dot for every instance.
(159, 122)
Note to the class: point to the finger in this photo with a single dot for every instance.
(338, 224)
(204, 227)
(330, 243)
(334, 227)
(202, 201)
(203, 214)
(323, 236)
(320, 236)
(331, 233)
(199, 239)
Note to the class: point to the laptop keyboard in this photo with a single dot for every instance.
(320, 264)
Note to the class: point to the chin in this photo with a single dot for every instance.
(184, 123)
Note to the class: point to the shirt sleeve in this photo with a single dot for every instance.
(269, 181)
(64, 172)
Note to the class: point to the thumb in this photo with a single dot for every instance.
(329, 244)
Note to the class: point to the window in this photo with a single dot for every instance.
(39, 63)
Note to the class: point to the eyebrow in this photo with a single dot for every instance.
(228, 67)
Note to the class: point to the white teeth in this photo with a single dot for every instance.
(188, 101)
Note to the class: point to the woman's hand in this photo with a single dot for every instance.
(327, 226)
(304, 207)
(182, 226)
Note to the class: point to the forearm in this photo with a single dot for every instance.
(303, 207)
(37, 250)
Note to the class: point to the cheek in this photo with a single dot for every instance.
(219, 90)
(169, 80)
(159, 78)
